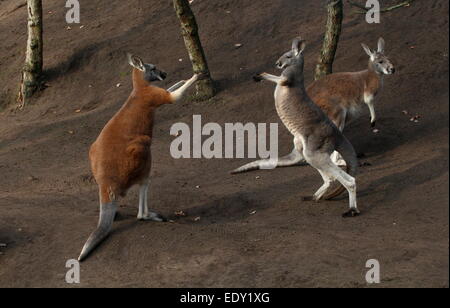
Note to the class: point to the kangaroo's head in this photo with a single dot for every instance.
(378, 61)
(294, 57)
(149, 71)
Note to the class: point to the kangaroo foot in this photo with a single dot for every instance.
(152, 217)
(351, 213)
(307, 198)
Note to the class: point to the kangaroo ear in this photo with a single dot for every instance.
(381, 44)
(135, 62)
(298, 46)
(367, 50)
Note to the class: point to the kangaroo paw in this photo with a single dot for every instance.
(257, 78)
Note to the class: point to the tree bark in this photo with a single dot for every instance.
(32, 70)
(189, 29)
(335, 10)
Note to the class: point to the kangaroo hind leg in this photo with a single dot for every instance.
(340, 124)
(325, 187)
(108, 210)
(330, 172)
(144, 213)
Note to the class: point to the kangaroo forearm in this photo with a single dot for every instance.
(272, 78)
(176, 86)
(178, 94)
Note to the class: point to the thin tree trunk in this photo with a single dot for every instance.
(335, 10)
(189, 30)
(32, 70)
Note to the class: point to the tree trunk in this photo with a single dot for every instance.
(32, 70)
(189, 30)
(330, 43)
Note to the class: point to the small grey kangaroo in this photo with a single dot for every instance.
(315, 135)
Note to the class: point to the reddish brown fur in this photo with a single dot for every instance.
(336, 92)
(120, 157)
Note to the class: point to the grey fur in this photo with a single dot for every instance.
(107, 215)
(293, 159)
(316, 137)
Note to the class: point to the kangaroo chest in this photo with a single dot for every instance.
(293, 112)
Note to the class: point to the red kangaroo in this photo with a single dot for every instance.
(120, 157)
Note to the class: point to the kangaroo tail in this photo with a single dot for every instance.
(107, 214)
(293, 159)
(347, 151)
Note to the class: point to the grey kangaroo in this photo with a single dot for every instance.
(316, 137)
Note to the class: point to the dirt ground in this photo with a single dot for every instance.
(254, 230)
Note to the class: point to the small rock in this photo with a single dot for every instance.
(198, 186)
(78, 111)
(2, 245)
(118, 85)
(253, 213)
(71, 132)
(415, 119)
(32, 178)
(376, 131)
(238, 45)
(180, 214)
(197, 218)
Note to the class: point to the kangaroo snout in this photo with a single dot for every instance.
(280, 65)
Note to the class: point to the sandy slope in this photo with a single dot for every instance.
(48, 203)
